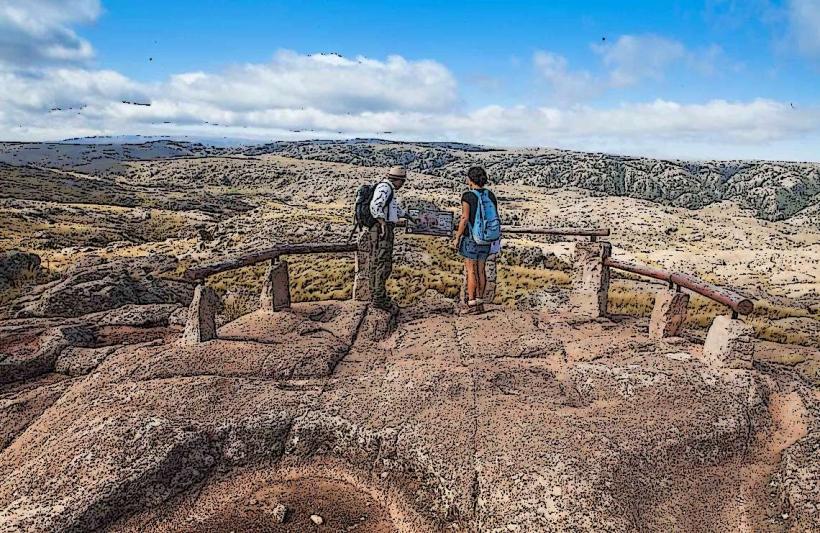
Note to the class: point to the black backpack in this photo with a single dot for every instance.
(362, 218)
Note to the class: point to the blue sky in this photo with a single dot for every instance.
(710, 79)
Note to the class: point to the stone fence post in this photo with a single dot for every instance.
(201, 323)
(729, 343)
(276, 289)
(361, 282)
(668, 314)
(590, 284)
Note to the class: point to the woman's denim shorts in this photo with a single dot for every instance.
(469, 249)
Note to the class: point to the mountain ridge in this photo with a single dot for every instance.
(775, 190)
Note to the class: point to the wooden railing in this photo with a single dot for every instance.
(209, 269)
(252, 258)
(736, 302)
(592, 233)
(589, 295)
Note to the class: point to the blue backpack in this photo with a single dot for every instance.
(487, 227)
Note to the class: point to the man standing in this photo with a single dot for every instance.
(385, 209)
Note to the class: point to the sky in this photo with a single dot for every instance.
(713, 79)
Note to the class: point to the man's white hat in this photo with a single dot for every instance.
(397, 172)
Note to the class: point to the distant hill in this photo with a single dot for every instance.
(774, 190)
(96, 159)
(221, 142)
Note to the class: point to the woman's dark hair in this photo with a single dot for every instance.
(478, 176)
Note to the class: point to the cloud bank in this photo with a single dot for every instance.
(49, 91)
(39, 31)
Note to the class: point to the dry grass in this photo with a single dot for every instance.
(515, 282)
(312, 278)
(627, 300)
(330, 277)
(320, 277)
(162, 225)
(27, 279)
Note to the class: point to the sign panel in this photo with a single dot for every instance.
(430, 222)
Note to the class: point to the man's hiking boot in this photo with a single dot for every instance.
(385, 305)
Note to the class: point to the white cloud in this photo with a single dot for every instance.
(326, 81)
(38, 31)
(713, 129)
(567, 85)
(804, 21)
(628, 61)
(635, 57)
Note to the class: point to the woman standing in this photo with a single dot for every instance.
(474, 254)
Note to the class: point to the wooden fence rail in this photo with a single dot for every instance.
(248, 259)
(202, 272)
(593, 233)
(727, 343)
(736, 302)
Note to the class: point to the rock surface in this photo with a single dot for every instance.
(668, 314)
(44, 352)
(200, 325)
(105, 285)
(416, 422)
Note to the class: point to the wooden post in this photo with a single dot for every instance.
(276, 290)
(361, 282)
(590, 286)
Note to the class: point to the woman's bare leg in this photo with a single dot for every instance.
(481, 282)
(472, 281)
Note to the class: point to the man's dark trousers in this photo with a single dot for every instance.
(381, 264)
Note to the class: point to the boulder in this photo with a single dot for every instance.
(178, 317)
(590, 284)
(24, 365)
(105, 285)
(79, 361)
(201, 324)
(378, 324)
(276, 288)
(22, 403)
(798, 480)
(668, 314)
(136, 315)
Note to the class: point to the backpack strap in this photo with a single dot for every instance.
(480, 202)
(389, 196)
(479, 213)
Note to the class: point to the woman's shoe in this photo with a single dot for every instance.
(471, 309)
